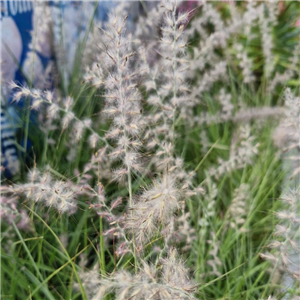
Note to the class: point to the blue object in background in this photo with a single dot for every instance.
(9, 156)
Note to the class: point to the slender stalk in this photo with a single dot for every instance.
(120, 80)
(131, 205)
(174, 70)
(102, 254)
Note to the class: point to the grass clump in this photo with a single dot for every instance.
(158, 177)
